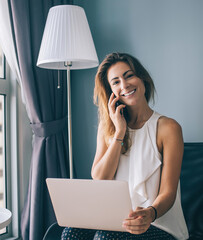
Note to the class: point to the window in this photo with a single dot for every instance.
(2, 64)
(8, 148)
(3, 94)
(9, 188)
(2, 154)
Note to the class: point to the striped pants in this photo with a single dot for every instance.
(88, 234)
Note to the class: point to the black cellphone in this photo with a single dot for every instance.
(118, 103)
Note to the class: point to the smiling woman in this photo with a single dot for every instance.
(151, 161)
(140, 146)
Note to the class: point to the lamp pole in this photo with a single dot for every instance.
(68, 65)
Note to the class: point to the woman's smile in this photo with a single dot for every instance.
(128, 94)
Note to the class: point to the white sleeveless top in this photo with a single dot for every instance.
(141, 168)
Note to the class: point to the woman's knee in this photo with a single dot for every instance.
(66, 234)
(77, 234)
(107, 235)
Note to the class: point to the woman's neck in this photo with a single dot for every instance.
(137, 116)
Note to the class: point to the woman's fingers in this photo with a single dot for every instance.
(116, 115)
(119, 109)
(112, 102)
(138, 221)
(135, 227)
(138, 212)
(112, 97)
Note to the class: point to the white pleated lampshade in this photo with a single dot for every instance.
(67, 38)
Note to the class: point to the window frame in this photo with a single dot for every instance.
(5, 149)
(4, 66)
(8, 87)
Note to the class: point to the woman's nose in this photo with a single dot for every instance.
(124, 83)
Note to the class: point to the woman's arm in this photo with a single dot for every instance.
(107, 157)
(170, 144)
(170, 141)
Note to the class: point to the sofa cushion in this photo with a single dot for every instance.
(192, 188)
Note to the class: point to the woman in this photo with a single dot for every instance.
(140, 146)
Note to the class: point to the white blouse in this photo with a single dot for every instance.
(141, 168)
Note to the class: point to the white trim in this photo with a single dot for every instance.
(11, 156)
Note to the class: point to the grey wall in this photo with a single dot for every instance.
(167, 37)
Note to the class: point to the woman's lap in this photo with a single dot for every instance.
(77, 234)
(88, 234)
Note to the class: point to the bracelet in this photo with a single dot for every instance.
(155, 212)
(119, 140)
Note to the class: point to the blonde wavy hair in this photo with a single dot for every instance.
(102, 92)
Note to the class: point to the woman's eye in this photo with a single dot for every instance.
(130, 75)
(116, 82)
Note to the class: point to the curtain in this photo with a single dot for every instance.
(6, 41)
(47, 111)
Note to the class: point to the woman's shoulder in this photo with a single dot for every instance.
(168, 126)
(168, 122)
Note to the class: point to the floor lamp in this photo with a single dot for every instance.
(67, 44)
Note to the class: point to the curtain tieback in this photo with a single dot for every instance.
(47, 129)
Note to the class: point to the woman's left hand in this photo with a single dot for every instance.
(139, 220)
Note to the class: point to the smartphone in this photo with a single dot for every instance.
(122, 111)
(118, 103)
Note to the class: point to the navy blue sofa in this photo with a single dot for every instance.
(192, 189)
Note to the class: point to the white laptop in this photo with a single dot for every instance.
(92, 204)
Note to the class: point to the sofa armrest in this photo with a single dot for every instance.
(191, 181)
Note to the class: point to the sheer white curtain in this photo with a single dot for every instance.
(7, 43)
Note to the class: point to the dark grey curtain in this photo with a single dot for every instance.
(47, 109)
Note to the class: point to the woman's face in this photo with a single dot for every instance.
(125, 85)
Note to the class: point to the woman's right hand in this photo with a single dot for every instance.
(116, 116)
